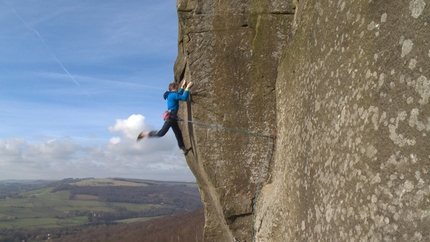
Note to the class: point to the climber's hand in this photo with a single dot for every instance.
(183, 83)
(190, 84)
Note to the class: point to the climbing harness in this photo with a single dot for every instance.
(167, 115)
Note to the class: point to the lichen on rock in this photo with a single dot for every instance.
(344, 84)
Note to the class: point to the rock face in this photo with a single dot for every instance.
(346, 86)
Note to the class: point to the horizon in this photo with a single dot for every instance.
(102, 178)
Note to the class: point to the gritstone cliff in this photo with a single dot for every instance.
(346, 87)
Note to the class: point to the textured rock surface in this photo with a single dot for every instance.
(354, 126)
(349, 100)
(226, 49)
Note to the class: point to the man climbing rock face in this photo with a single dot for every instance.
(173, 96)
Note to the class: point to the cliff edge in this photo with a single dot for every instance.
(345, 86)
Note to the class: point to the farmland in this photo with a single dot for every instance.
(70, 203)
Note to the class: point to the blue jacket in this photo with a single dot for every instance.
(173, 99)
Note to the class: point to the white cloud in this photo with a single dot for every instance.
(115, 140)
(154, 158)
(130, 127)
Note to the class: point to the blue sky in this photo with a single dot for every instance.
(79, 80)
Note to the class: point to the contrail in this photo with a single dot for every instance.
(47, 47)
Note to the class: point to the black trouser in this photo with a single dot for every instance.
(171, 122)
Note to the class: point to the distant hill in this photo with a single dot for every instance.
(9, 188)
(75, 206)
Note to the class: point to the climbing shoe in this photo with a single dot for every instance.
(141, 136)
(185, 151)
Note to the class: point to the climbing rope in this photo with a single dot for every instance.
(228, 129)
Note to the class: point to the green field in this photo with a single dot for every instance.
(43, 209)
(42, 222)
(108, 182)
(47, 210)
(133, 220)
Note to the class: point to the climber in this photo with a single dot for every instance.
(173, 96)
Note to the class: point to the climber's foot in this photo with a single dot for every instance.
(142, 135)
(185, 151)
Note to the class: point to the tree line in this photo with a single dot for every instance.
(13, 189)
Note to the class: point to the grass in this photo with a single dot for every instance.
(107, 182)
(42, 222)
(38, 193)
(43, 209)
(135, 207)
(134, 220)
(8, 202)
